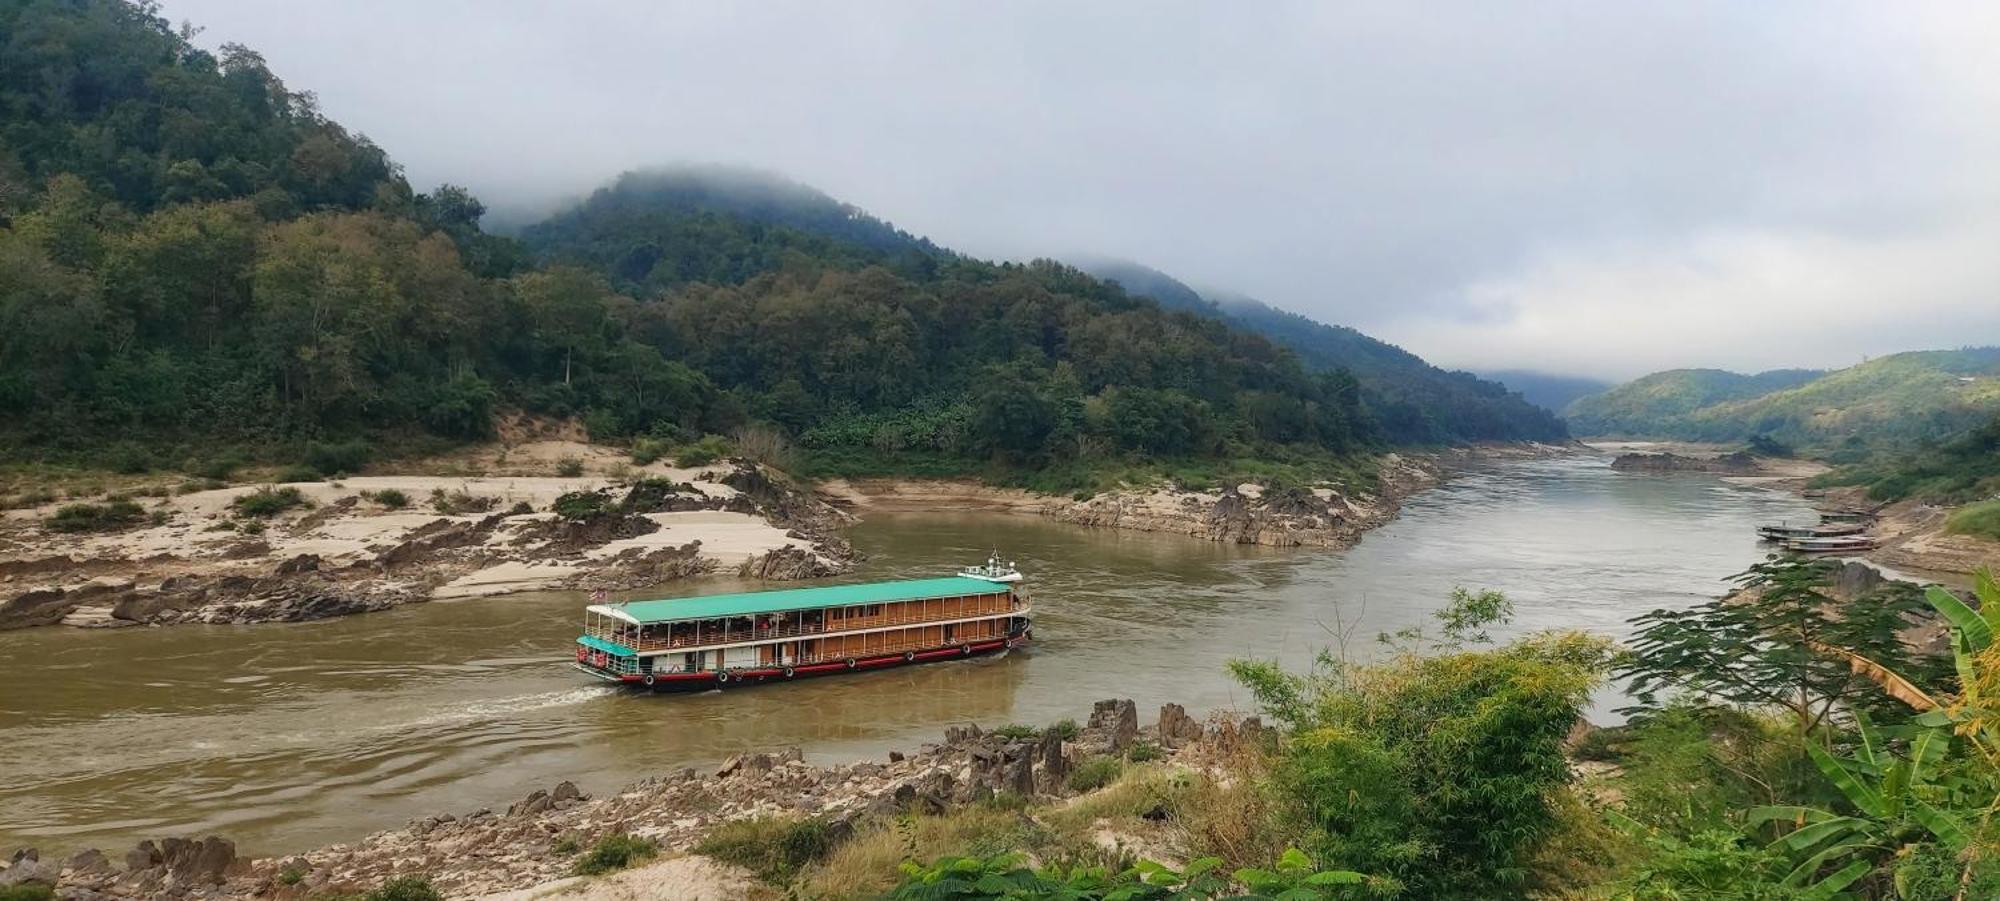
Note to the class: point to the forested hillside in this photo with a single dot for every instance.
(661, 228)
(1410, 400)
(860, 340)
(1663, 402)
(1889, 401)
(196, 262)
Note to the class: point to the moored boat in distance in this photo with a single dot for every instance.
(1834, 544)
(1786, 532)
(717, 641)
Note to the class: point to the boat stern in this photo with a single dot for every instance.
(606, 660)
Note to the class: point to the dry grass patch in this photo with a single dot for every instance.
(866, 865)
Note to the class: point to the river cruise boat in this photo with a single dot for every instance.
(720, 641)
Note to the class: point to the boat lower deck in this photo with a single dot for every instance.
(708, 680)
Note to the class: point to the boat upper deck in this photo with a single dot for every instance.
(752, 603)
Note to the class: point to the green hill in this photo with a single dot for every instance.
(300, 292)
(1409, 400)
(1897, 399)
(1661, 404)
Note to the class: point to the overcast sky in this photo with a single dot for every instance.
(1593, 188)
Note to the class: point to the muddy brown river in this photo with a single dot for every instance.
(288, 736)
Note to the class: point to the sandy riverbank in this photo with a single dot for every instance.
(476, 525)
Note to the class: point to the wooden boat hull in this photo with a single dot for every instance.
(712, 680)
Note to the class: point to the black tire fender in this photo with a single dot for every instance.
(721, 678)
(965, 649)
(909, 656)
(648, 679)
(852, 663)
(788, 672)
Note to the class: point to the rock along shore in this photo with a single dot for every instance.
(485, 852)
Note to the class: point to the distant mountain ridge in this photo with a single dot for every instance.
(1903, 397)
(1550, 391)
(657, 229)
(1413, 400)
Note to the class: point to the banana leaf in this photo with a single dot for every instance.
(1858, 792)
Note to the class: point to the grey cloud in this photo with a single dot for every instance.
(1396, 167)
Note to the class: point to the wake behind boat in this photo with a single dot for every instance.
(700, 643)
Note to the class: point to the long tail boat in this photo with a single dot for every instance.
(1785, 532)
(1834, 544)
(721, 641)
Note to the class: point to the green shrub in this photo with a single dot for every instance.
(291, 875)
(772, 848)
(648, 450)
(615, 852)
(32, 498)
(1006, 800)
(1437, 771)
(388, 497)
(252, 527)
(1981, 519)
(1017, 732)
(569, 467)
(1144, 752)
(405, 888)
(567, 846)
(268, 501)
(96, 517)
(581, 505)
(217, 468)
(1095, 773)
(338, 457)
(129, 458)
(701, 453)
(299, 473)
(28, 891)
(453, 503)
(193, 485)
(1065, 729)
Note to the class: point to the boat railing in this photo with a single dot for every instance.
(643, 643)
(630, 665)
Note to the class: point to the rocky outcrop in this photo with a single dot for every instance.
(1284, 516)
(483, 851)
(1176, 727)
(787, 564)
(339, 554)
(1113, 726)
(1737, 463)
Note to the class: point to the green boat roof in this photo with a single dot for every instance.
(716, 606)
(608, 647)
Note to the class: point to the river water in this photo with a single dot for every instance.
(287, 736)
